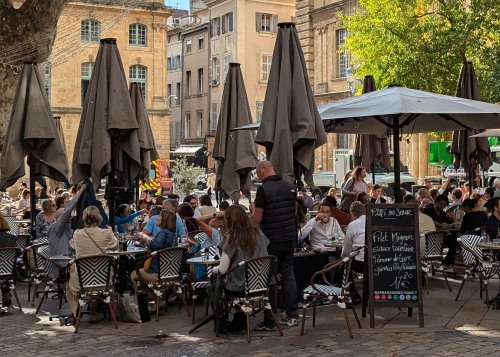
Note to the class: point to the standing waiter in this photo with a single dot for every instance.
(275, 203)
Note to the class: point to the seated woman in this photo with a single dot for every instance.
(377, 194)
(7, 240)
(44, 219)
(186, 212)
(321, 228)
(210, 224)
(242, 241)
(123, 217)
(91, 240)
(165, 238)
(474, 218)
(363, 198)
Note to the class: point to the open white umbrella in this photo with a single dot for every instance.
(397, 110)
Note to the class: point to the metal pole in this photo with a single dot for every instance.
(397, 161)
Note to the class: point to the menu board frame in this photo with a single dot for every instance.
(393, 222)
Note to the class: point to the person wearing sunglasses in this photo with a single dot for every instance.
(44, 219)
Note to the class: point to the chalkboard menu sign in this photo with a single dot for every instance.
(394, 275)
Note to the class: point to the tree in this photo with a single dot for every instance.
(27, 33)
(185, 175)
(422, 46)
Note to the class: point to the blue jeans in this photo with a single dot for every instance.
(283, 266)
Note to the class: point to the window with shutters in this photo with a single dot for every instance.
(227, 59)
(213, 124)
(227, 22)
(137, 35)
(215, 27)
(86, 74)
(46, 79)
(259, 105)
(178, 93)
(139, 74)
(188, 46)
(178, 62)
(169, 64)
(188, 83)
(187, 125)
(199, 129)
(266, 60)
(266, 22)
(201, 79)
(215, 68)
(343, 61)
(201, 43)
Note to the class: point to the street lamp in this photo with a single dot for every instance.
(351, 80)
(167, 99)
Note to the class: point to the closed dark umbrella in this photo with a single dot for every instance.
(107, 142)
(469, 152)
(291, 128)
(57, 119)
(368, 147)
(147, 145)
(32, 133)
(235, 152)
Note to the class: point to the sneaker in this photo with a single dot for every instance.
(289, 321)
(261, 326)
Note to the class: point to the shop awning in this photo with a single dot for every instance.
(188, 151)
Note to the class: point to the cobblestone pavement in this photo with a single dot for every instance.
(463, 328)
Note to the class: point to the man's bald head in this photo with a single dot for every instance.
(264, 169)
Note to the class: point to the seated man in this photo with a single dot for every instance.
(354, 238)
(438, 215)
(321, 229)
(336, 213)
(425, 223)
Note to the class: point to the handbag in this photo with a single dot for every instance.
(128, 308)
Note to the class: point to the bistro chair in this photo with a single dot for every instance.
(256, 289)
(170, 277)
(433, 257)
(94, 277)
(198, 286)
(36, 269)
(475, 264)
(326, 293)
(8, 257)
(50, 278)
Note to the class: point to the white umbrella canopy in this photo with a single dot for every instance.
(417, 112)
(396, 110)
(487, 133)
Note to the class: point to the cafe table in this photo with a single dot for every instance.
(210, 260)
(126, 264)
(130, 251)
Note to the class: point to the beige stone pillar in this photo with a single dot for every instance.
(414, 169)
(423, 154)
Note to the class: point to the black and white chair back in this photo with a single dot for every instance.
(7, 262)
(471, 253)
(257, 274)
(11, 220)
(434, 245)
(94, 272)
(8, 257)
(169, 263)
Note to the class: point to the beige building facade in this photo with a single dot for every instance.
(243, 31)
(141, 35)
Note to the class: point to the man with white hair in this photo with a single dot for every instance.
(496, 186)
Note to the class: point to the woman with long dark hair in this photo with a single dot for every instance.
(242, 240)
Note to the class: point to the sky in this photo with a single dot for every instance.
(179, 4)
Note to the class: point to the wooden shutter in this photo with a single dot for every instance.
(230, 20)
(212, 28)
(218, 26)
(258, 21)
(274, 25)
(224, 24)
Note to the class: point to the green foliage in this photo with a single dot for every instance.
(422, 46)
(185, 175)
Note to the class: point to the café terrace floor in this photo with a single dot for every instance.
(465, 327)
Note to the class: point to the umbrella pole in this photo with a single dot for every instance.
(136, 182)
(32, 201)
(397, 165)
(471, 179)
(111, 202)
(373, 172)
